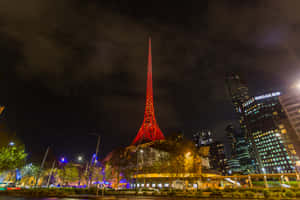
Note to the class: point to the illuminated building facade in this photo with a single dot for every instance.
(240, 161)
(290, 102)
(267, 125)
(216, 156)
(238, 92)
(234, 166)
(202, 138)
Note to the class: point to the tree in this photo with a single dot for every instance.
(69, 174)
(29, 174)
(12, 158)
(97, 174)
(108, 172)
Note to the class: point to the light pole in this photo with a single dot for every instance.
(265, 177)
(50, 175)
(281, 176)
(42, 166)
(142, 155)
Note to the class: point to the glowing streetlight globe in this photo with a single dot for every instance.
(79, 158)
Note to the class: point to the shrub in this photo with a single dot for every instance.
(227, 189)
(249, 194)
(298, 194)
(276, 194)
(208, 190)
(171, 193)
(267, 193)
(215, 193)
(236, 195)
(290, 193)
(199, 192)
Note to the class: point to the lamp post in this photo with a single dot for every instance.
(281, 176)
(265, 177)
(50, 174)
(142, 156)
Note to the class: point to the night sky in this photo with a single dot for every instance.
(74, 67)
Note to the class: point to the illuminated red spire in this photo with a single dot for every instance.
(149, 130)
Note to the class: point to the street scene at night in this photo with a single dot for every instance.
(121, 100)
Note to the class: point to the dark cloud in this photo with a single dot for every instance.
(72, 66)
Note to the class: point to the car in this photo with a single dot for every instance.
(12, 186)
(3, 186)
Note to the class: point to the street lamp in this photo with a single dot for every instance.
(11, 144)
(79, 158)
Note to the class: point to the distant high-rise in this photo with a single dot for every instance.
(217, 158)
(290, 102)
(268, 131)
(240, 160)
(238, 92)
(202, 138)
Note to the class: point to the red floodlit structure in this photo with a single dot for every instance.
(149, 130)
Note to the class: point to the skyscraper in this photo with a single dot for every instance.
(216, 156)
(268, 131)
(238, 92)
(239, 161)
(290, 102)
(202, 138)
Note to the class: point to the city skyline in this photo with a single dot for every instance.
(65, 80)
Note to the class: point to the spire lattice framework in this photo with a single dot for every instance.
(149, 130)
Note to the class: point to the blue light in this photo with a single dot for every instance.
(123, 181)
(63, 160)
(94, 159)
(18, 175)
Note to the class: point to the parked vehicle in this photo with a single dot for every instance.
(9, 186)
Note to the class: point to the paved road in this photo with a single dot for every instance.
(118, 198)
(22, 198)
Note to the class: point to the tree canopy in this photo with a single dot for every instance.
(12, 157)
